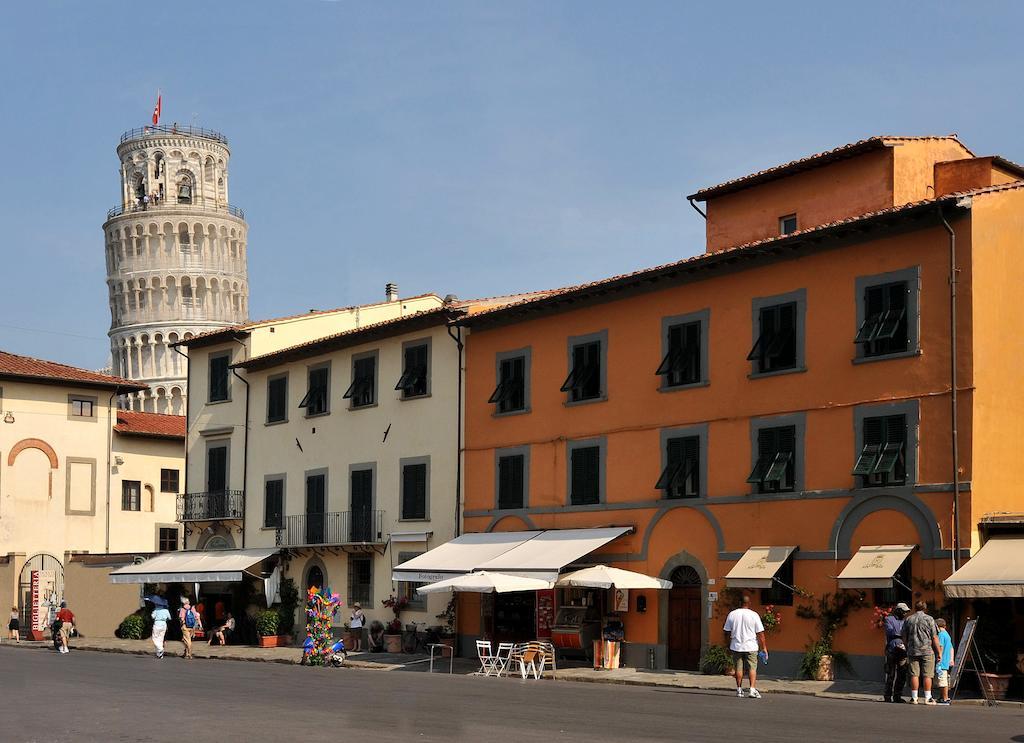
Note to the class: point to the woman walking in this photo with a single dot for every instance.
(14, 626)
(160, 619)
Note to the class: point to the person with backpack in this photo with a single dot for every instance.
(190, 623)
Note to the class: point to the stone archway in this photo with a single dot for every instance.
(42, 446)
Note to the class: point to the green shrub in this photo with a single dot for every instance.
(131, 627)
(715, 660)
(267, 623)
(286, 609)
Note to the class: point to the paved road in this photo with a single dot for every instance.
(88, 696)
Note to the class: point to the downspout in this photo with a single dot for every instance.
(245, 446)
(458, 434)
(954, 441)
(110, 446)
(188, 374)
(698, 209)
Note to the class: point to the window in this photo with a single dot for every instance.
(681, 364)
(363, 526)
(277, 399)
(169, 480)
(317, 392)
(363, 390)
(775, 469)
(360, 580)
(901, 588)
(681, 476)
(781, 592)
(218, 391)
(885, 328)
(273, 504)
(414, 489)
(511, 481)
(584, 474)
(586, 369)
(882, 459)
(510, 394)
(131, 495)
(407, 588)
(415, 379)
(185, 191)
(776, 346)
(167, 539)
(81, 407)
(787, 224)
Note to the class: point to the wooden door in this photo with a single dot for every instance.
(684, 623)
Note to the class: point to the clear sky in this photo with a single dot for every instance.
(473, 148)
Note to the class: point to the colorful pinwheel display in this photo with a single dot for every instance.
(321, 608)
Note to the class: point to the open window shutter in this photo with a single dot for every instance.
(691, 469)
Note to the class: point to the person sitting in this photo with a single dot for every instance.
(223, 631)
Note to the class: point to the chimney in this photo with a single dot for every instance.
(391, 292)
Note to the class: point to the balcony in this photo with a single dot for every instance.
(133, 208)
(158, 130)
(215, 506)
(332, 529)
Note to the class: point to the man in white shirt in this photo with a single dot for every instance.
(745, 633)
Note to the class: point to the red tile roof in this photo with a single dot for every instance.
(812, 161)
(132, 423)
(14, 366)
(645, 278)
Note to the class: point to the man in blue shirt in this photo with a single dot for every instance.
(945, 660)
(895, 654)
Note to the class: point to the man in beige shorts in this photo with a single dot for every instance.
(190, 622)
(921, 637)
(745, 634)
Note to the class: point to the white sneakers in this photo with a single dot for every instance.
(63, 649)
(739, 692)
(754, 693)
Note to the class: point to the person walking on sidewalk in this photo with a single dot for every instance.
(745, 632)
(190, 622)
(160, 619)
(922, 639)
(355, 623)
(945, 660)
(67, 624)
(14, 626)
(895, 655)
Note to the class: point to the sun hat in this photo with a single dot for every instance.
(902, 606)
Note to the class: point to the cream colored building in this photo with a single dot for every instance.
(77, 475)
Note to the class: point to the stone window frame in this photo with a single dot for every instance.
(157, 527)
(177, 479)
(283, 478)
(526, 353)
(209, 377)
(375, 355)
(572, 341)
(368, 602)
(287, 382)
(798, 297)
(911, 275)
(911, 410)
(310, 368)
(512, 451)
(704, 318)
(419, 601)
(94, 400)
(213, 444)
(799, 423)
(91, 511)
(402, 464)
(427, 341)
(700, 430)
(601, 442)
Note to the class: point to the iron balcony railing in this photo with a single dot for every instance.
(212, 506)
(332, 529)
(117, 211)
(173, 129)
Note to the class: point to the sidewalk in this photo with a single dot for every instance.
(863, 691)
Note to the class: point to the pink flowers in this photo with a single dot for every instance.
(771, 619)
(878, 617)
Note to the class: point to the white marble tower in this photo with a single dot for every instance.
(176, 257)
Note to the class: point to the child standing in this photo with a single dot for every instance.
(14, 626)
(945, 660)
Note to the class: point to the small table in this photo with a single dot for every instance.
(451, 655)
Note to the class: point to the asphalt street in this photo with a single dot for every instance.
(87, 696)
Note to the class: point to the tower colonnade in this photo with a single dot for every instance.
(175, 257)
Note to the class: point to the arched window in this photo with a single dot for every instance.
(314, 577)
(185, 188)
(217, 542)
(685, 576)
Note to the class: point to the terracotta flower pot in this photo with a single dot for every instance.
(392, 643)
(274, 641)
(825, 670)
(996, 684)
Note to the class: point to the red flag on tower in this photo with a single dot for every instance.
(156, 109)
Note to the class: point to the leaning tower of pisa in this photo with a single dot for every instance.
(176, 260)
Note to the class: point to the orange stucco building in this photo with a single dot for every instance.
(791, 387)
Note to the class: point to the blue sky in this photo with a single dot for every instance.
(469, 148)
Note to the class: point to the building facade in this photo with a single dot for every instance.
(78, 475)
(774, 415)
(175, 257)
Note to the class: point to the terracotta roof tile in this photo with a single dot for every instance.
(13, 365)
(133, 423)
(812, 161)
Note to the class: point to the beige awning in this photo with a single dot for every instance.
(996, 571)
(215, 566)
(874, 566)
(757, 567)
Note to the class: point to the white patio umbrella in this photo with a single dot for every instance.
(602, 576)
(485, 582)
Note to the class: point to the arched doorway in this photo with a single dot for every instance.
(314, 577)
(41, 584)
(684, 619)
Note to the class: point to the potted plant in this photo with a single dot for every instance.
(716, 660)
(771, 620)
(446, 632)
(393, 630)
(267, 625)
(997, 655)
(831, 612)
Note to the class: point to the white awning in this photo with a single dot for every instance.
(530, 554)
(461, 555)
(216, 566)
(996, 571)
(602, 576)
(874, 566)
(485, 582)
(757, 567)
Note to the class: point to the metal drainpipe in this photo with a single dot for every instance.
(245, 446)
(458, 434)
(184, 488)
(698, 209)
(953, 388)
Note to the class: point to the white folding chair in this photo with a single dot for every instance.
(502, 657)
(488, 660)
